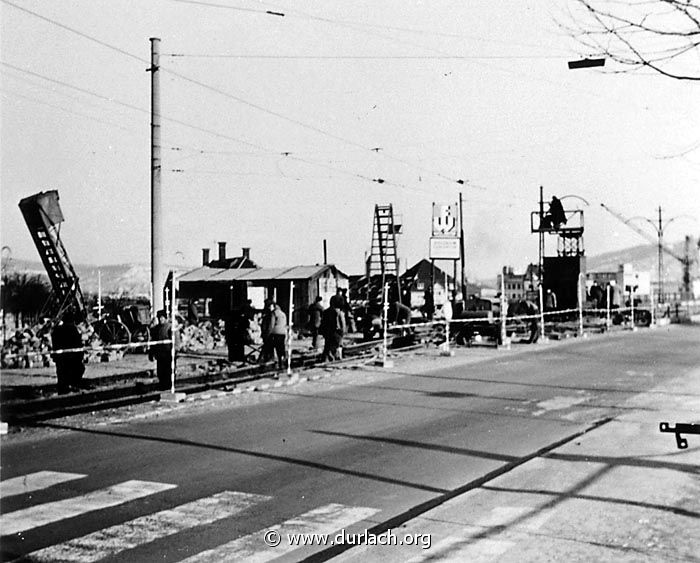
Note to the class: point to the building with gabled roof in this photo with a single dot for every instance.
(226, 289)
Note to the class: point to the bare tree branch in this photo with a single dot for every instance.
(661, 35)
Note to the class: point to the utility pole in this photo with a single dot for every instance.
(661, 258)
(686, 268)
(157, 277)
(461, 250)
(541, 233)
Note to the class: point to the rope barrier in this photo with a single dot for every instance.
(106, 347)
(392, 327)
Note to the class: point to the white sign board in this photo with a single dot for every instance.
(444, 248)
(445, 220)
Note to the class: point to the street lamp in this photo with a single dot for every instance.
(660, 227)
(585, 63)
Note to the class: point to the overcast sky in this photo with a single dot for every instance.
(274, 146)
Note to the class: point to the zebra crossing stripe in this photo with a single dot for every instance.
(145, 529)
(50, 512)
(252, 547)
(35, 482)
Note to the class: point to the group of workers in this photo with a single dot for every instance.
(242, 328)
(68, 352)
(331, 323)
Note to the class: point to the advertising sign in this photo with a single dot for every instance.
(444, 248)
(445, 220)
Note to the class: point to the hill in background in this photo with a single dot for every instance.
(645, 257)
(117, 279)
(134, 279)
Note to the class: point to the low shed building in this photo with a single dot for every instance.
(220, 290)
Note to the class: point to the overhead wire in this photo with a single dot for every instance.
(378, 180)
(376, 150)
(63, 109)
(229, 7)
(76, 31)
(230, 95)
(359, 57)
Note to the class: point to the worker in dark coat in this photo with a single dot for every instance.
(69, 366)
(347, 311)
(162, 353)
(235, 332)
(333, 329)
(528, 308)
(555, 216)
(597, 295)
(315, 315)
(429, 305)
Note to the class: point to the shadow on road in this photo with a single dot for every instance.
(240, 451)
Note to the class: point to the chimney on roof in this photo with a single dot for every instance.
(205, 256)
(222, 252)
(246, 252)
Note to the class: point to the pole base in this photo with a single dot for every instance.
(169, 397)
(384, 363)
(3, 428)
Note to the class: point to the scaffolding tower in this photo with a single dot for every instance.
(383, 260)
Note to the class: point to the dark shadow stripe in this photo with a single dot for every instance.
(627, 461)
(422, 445)
(262, 455)
(612, 500)
(413, 512)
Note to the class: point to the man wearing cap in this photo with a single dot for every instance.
(162, 353)
(69, 365)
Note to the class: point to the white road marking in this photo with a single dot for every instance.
(50, 512)
(145, 529)
(252, 548)
(35, 482)
(558, 403)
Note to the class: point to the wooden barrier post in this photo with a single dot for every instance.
(543, 336)
(289, 329)
(173, 328)
(447, 312)
(172, 396)
(580, 304)
(384, 361)
(504, 313)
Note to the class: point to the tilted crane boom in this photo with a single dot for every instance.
(686, 260)
(43, 216)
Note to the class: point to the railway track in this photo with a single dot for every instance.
(130, 389)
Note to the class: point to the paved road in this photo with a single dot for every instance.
(351, 451)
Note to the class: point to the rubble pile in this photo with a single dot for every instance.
(31, 348)
(205, 335)
(27, 348)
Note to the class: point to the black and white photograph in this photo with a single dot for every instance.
(402, 281)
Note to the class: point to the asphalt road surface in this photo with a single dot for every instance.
(363, 449)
